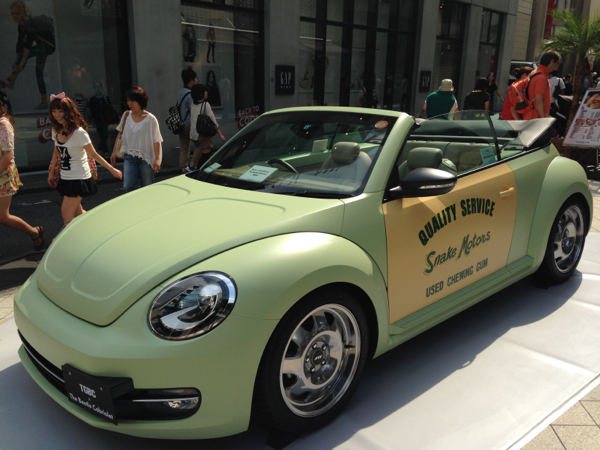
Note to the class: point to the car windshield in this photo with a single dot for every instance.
(312, 153)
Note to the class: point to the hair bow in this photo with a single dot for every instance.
(58, 96)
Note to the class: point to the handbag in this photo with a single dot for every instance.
(205, 125)
(118, 152)
(56, 174)
(173, 121)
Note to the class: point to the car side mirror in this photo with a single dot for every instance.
(424, 182)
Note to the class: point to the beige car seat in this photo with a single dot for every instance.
(426, 157)
(346, 161)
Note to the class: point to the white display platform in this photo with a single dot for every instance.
(480, 380)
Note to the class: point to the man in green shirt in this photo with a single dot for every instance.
(441, 101)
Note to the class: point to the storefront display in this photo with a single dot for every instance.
(59, 45)
(223, 45)
(356, 53)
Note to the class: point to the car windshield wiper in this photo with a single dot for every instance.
(313, 194)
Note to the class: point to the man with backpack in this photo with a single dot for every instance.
(539, 87)
(184, 101)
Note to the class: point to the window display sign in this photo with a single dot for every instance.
(585, 128)
(284, 80)
(223, 48)
(52, 46)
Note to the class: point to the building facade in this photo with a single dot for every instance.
(252, 55)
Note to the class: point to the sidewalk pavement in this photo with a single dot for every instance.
(576, 429)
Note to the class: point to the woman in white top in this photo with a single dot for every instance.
(74, 146)
(140, 141)
(10, 181)
(203, 144)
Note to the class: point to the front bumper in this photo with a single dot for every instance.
(222, 364)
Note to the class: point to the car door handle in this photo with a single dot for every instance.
(506, 191)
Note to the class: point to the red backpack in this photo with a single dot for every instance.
(518, 93)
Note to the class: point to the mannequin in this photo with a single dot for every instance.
(103, 114)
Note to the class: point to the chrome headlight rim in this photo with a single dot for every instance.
(176, 289)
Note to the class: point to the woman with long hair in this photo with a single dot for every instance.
(140, 141)
(493, 87)
(10, 181)
(73, 144)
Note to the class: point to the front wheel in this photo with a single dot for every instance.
(565, 243)
(313, 362)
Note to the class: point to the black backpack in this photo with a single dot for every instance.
(205, 125)
(174, 122)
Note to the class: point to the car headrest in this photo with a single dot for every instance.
(345, 153)
(424, 157)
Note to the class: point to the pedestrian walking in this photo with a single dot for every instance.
(539, 87)
(10, 181)
(184, 101)
(441, 101)
(493, 88)
(140, 141)
(203, 144)
(73, 145)
(478, 99)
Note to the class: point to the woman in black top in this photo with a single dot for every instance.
(478, 99)
(493, 87)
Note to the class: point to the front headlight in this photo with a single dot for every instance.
(192, 306)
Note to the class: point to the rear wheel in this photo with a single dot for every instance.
(312, 363)
(565, 243)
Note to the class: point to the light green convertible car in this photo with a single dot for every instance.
(314, 240)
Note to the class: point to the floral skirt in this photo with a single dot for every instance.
(10, 181)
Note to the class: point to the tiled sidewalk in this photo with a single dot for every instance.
(6, 303)
(576, 429)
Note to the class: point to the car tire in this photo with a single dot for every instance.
(565, 243)
(313, 362)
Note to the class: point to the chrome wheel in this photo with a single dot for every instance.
(320, 360)
(568, 239)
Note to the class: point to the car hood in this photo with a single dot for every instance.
(109, 257)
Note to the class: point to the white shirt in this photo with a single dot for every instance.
(138, 139)
(195, 112)
(73, 158)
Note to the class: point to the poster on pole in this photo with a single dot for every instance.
(585, 128)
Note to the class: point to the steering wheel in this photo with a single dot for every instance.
(285, 164)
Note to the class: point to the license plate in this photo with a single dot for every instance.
(95, 394)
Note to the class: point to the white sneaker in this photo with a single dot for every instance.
(188, 169)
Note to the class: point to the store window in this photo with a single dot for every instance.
(489, 43)
(52, 46)
(449, 43)
(222, 42)
(357, 53)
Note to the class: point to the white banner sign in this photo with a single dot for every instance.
(585, 128)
